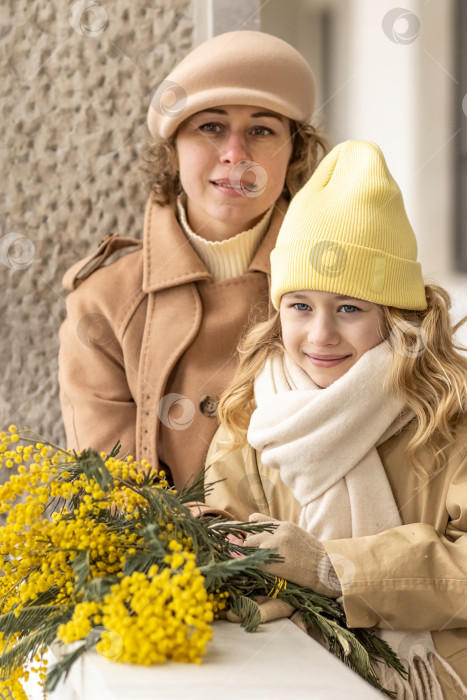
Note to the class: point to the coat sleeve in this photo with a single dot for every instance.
(238, 482)
(97, 405)
(409, 577)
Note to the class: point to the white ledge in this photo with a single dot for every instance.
(276, 662)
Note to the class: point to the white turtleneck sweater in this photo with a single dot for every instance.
(225, 259)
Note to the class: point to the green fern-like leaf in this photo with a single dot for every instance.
(29, 618)
(82, 568)
(140, 561)
(115, 449)
(98, 588)
(93, 466)
(219, 573)
(62, 668)
(17, 655)
(329, 623)
(194, 490)
(248, 612)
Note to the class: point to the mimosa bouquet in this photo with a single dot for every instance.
(101, 553)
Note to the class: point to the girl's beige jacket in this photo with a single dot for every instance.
(412, 577)
(149, 343)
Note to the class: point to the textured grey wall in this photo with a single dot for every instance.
(228, 16)
(75, 86)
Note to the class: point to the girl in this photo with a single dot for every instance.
(354, 398)
(149, 341)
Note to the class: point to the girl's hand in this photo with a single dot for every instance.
(270, 608)
(236, 540)
(306, 562)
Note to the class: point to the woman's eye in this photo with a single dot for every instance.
(261, 131)
(301, 307)
(210, 127)
(349, 309)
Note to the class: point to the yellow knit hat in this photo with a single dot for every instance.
(346, 231)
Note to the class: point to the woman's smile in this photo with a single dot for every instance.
(225, 187)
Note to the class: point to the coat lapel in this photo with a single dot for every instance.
(171, 269)
(173, 315)
(169, 259)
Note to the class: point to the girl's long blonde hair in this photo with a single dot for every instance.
(427, 372)
(237, 403)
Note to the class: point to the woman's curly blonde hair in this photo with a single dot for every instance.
(309, 146)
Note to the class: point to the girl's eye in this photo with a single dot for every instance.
(300, 306)
(349, 309)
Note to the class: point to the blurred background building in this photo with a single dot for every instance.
(394, 75)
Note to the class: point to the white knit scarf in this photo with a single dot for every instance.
(323, 441)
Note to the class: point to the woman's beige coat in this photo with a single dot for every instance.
(149, 343)
(412, 577)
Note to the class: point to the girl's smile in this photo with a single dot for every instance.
(326, 360)
(326, 333)
(232, 162)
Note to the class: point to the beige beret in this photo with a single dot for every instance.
(236, 68)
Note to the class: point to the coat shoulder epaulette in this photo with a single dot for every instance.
(82, 269)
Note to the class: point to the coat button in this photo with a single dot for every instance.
(208, 406)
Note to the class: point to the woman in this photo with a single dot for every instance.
(149, 341)
(348, 424)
